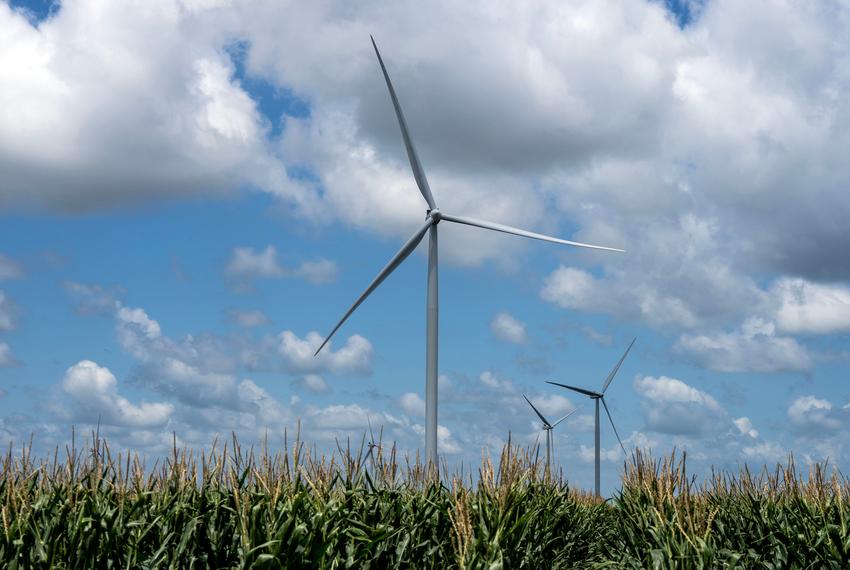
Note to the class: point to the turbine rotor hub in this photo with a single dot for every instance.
(435, 215)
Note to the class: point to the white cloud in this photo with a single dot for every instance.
(138, 318)
(136, 330)
(745, 426)
(664, 390)
(9, 268)
(188, 383)
(806, 307)
(492, 381)
(612, 455)
(643, 118)
(673, 407)
(93, 391)
(412, 404)
(245, 262)
(765, 451)
(754, 347)
(508, 328)
(677, 277)
(186, 127)
(446, 443)
(810, 413)
(352, 417)
(552, 406)
(7, 358)
(315, 383)
(354, 357)
(248, 318)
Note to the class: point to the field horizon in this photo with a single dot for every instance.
(364, 506)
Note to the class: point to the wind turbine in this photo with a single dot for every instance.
(547, 427)
(433, 216)
(600, 397)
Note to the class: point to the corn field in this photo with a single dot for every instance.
(366, 508)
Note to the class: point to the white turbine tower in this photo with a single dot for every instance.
(600, 397)
(433, 217)
(547, 427)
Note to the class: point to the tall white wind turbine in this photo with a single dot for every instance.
(600, 397)
(433, 216)
(547, 427)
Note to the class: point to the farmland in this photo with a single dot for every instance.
(365, 508)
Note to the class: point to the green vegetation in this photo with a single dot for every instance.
(363, 508)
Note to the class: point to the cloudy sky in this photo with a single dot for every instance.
(193, 191)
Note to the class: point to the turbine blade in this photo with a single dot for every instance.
(565, 417)
(524, 233)
(536, 411)
(402, 254)
(574, 389)
(612, 425)
(418, 173)
(617, 368)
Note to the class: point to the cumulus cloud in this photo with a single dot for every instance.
(186, 127)
(493, 382)
(678, 277)
(314, 383)
(447, 444)
(354, 357)
(808, 413)
(612, 455)
(351, 417)
(245, 262)
(552, 406)
(630, 160)
(745, 426)
(188, 383)
(633, 138)
(673, 407)
(93, 392)
(136, 331)
(765, 452)
(412, 404)
(507, 328)
(754, 347)
(806, 307)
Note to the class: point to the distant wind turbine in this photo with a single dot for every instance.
(433, 217)
(547, 427)
(600, 397)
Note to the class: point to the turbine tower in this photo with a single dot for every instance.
(600, 397)
(433, 216)
(547, 427)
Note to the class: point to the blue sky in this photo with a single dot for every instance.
(195, 193)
